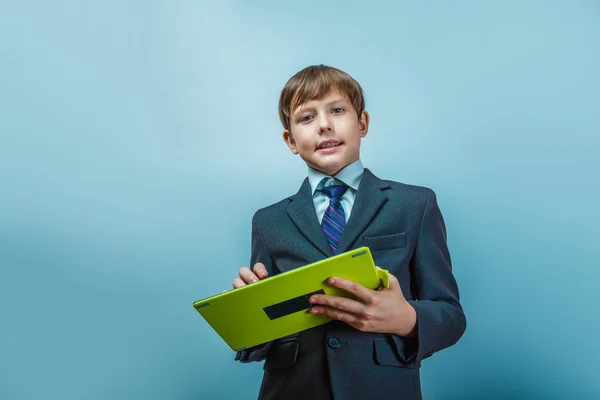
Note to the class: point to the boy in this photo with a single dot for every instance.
(374, 346)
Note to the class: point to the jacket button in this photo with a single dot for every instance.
(333, 342)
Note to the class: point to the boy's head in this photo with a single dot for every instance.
(322, 110)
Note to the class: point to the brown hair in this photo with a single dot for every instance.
(314, 82)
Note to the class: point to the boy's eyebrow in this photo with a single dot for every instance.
(338, 100)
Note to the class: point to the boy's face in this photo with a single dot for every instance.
(327, 132)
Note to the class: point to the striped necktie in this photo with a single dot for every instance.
(334, 219)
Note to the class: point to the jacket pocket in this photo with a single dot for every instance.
(283, 354)
(385, 242)
(385, 352)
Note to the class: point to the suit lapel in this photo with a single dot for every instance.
(369, 199)
(302, 212)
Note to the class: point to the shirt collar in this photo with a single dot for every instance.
(350, 175)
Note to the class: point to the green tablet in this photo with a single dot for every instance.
(278, 306)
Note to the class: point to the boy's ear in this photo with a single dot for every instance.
(363, 123)
(289, 140)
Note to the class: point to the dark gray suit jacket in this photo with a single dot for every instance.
(403, 227)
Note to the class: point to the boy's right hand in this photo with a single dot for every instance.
(258, 272)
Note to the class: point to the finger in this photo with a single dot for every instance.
(238, 283)
(336, 314)
(260, 270)
(247, 275)
(363, 294)
(338, 303)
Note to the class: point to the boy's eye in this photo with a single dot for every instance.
(306, 118)
(338, 110)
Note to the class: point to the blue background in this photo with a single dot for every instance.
(138, 138)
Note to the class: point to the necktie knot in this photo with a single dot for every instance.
(335, 191)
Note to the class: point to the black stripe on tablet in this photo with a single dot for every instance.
(290, 306)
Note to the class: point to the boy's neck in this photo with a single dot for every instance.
(351, 175)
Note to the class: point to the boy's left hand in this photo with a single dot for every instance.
(384, 311)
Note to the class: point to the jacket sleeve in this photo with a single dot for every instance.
(440, 318)
(258, 254)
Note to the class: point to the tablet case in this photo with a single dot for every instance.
(278, 306)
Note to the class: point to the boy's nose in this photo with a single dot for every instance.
(324, 125)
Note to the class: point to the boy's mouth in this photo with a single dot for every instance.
(328, 144)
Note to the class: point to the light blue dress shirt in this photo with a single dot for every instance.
(350, 175)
